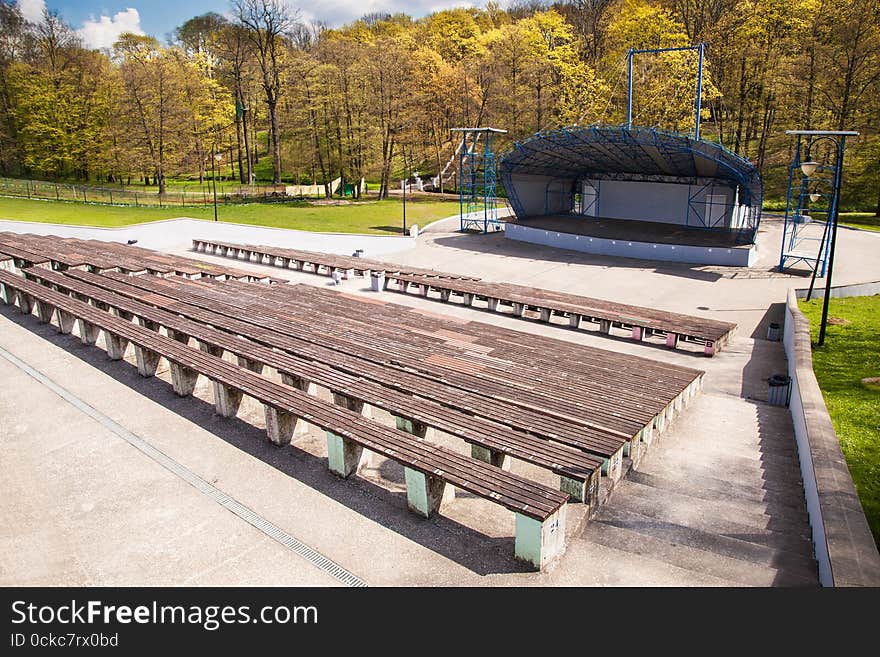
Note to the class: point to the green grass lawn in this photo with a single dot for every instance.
(376, 217)
(852, 352)
(860, 220)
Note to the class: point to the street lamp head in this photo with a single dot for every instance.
(218, 156)
(809, 168)
(815, 196)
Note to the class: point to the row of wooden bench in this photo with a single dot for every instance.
(25, 250)
(182, 298)
(540, 511)
(521, 414)
(579, 471)
(639, 323)
(615, 403)
(317, 262)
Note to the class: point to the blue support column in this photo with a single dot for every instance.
(699, 92)
(629, 95)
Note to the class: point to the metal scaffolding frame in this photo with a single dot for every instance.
(597, 152)
(477, 179)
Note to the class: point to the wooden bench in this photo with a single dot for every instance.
(348, 266)
(99, 255)
(578, 471)
(540, 511)
(639, 322)
(315, 345)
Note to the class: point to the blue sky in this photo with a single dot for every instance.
(101, 21)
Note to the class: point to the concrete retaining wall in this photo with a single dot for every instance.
(845, 548)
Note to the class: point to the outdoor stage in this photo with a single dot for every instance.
(627, 238)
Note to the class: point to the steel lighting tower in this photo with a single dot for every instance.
(832, 143)
(477, 179)
(700, 48)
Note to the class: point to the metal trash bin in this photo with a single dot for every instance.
(773, 332)
(779, 390)
(377, 281)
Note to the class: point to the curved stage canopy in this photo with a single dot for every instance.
(666, 182)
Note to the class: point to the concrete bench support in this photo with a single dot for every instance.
(496, 458)
(546, 314)
(413, 427)
(252, 365)
(88, 332)
(423, 290)
(122, 314)
(226, 400)
(45, 311)
(633, 448)
(444, 294)
(574, 320)
(539, 543)
(183, 380)
(149, 324)
(116, 346)
(299, 383)
(577, 488)
(65, 322)
(638, 333)
(605, 326)
(212, 349)
(672, 340)
(147, 361)
(425, 494)
(518, 309)
(345, 457)
(492, 304)
(647, 434)
(709, 349)
(281, 426)
(25, 302)
(467, 298)
(660, 422)
(352, 404)
(177, 335)
(612, 467)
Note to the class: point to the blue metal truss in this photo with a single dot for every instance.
(579, 153)
(478, 180)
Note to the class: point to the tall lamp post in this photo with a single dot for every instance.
(217, 157)
(809, 168)
(405, 182)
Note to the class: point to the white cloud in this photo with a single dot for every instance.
(340, 12)
(32, 10)
(104, 31)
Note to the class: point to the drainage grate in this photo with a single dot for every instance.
(229, 503)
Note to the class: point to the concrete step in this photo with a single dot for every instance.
(742, 512)
(711, 488)
(751, 447)
(716, 465)
(746, 454)
(616, 534)
(708, 517)
(792, 566)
